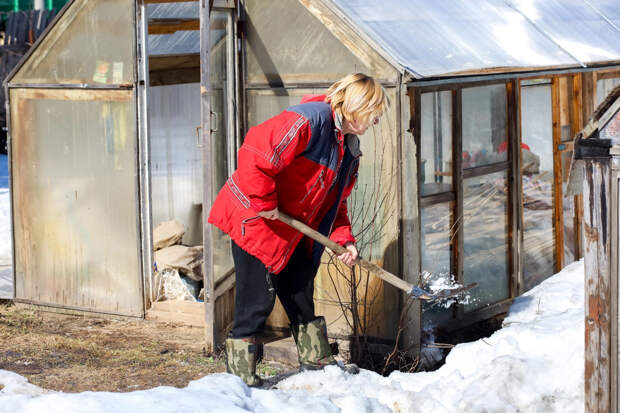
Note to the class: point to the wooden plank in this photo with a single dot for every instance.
(597, 285)
(486, 169)
(607, 74)
(220, 4)
(436, 199)
(577, 123)
(456, 222)
(588, 91)
(179, 61)
(77, 95)
(174, 76)
(558, 212)
(170, 26)
(613, 319)
(514, 188)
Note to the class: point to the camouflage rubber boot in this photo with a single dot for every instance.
(241, 359)
(313, 348)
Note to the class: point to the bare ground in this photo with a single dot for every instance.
(75, 354)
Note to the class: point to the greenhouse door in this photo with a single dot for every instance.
(219, 148)
(74, 164)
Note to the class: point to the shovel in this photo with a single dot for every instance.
(414, 291)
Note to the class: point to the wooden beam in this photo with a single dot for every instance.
(597, 240)
(219, 4)
(577, 123)
(558, 212)
(174, 76)
(456, 223)
(77, 94)
(170, 26)
(514, 192)
(168, 62)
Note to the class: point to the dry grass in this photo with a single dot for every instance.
(75, 354)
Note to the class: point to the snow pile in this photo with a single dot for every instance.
(533, 364)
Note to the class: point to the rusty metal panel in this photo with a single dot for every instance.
(75, 199)
(92, 43)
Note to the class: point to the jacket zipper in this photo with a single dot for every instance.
(319, 180)
(245, 221)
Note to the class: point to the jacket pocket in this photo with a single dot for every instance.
(248, 221)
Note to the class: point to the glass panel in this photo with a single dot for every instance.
(604, 87)
(537, 184)
(221, 137)
(485, 125)
(74, 197)
(276, 54)
(92, 43)
(431, 38)
(176, 160)
(485, 238)
(575, 26)
(436, 145)
(186, 41)
(437, 221)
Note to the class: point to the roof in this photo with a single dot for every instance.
(434, 38)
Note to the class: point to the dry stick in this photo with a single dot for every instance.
(339, 249)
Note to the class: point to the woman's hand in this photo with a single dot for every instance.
(350, 256)
(273, 214)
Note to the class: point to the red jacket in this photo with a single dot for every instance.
(297, 161)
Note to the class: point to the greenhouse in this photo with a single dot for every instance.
(127, 114)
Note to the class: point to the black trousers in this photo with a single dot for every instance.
(256, 291)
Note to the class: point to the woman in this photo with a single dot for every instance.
(303, 162)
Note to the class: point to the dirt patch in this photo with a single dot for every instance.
(75, 354)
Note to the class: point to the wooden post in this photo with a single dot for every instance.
(558, 212)
(211, 338)
(597, 247)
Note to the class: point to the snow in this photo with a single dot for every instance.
(535, 363)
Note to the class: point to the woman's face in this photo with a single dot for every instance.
(357, 127)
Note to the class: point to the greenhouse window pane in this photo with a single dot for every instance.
(437, 221)
(92, 43)
(485, 125)
(75, 198)
(436, 143)
(275, 54)
(485, 238)
(537, 184)
(604, 88)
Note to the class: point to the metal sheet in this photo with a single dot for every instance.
(90, 44)
(75, 198)
(176, 168)
(436, 38)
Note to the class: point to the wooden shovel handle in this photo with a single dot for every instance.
(339, 249)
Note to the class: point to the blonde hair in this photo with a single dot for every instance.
(357, 97)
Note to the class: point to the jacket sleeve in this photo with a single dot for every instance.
(341, 231)
(267, 149)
